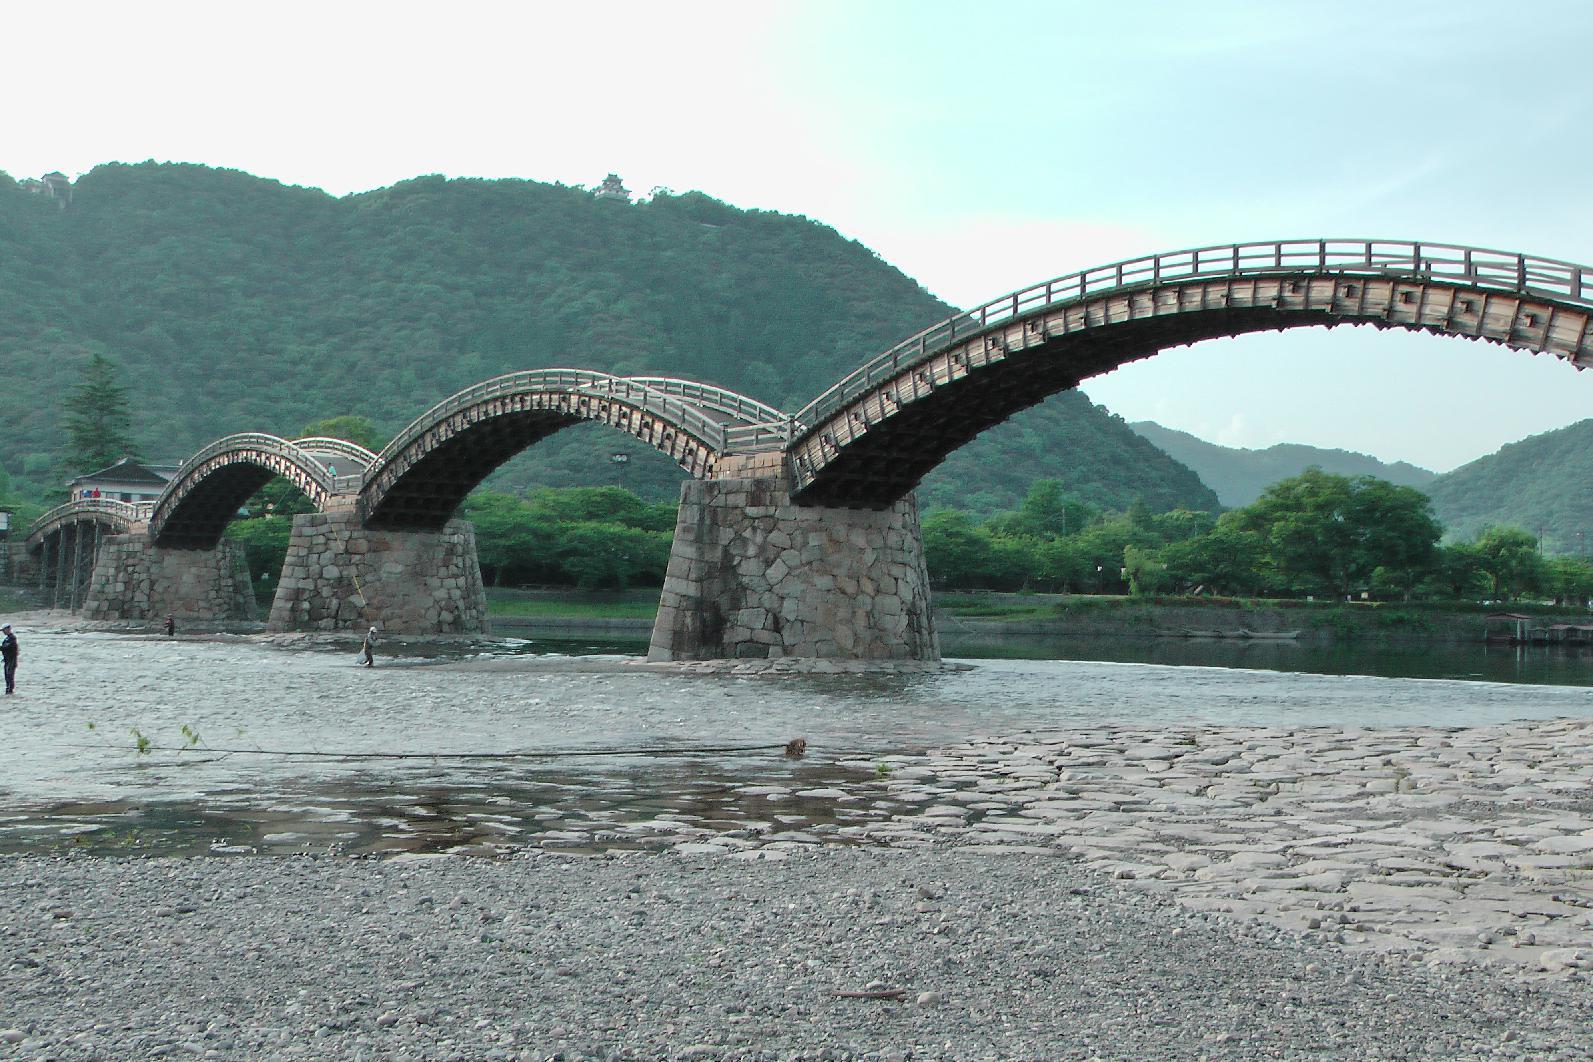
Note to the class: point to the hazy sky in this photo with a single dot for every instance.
(980, 147)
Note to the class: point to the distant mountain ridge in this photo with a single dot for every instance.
(1539, 483)
(235, 303)
(1239, 476)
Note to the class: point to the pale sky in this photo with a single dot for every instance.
(979, 147)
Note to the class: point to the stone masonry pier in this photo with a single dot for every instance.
(752, 575)
(341, 575)
(133, 579)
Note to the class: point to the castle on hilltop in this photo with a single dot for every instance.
(613, 188)
(56, 185)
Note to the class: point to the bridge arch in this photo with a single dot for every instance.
(204, 495)
(111, 517)
(869, 440)
(421, 477)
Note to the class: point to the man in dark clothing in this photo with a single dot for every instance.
(8, 653)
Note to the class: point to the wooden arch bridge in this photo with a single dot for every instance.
(843, 466)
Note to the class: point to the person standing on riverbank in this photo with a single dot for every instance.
(8, 654)
(367, 654)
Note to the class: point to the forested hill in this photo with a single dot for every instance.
(1239, 476)
(236, 303)
(1539, 484)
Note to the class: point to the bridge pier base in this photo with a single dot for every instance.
(135, 580)
(752, 575)
(341, 575)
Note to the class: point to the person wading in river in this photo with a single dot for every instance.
(367, 656)
(8, 653)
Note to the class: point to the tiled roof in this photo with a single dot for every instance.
(129, 471)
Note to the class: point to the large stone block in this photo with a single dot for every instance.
(135, 580)
(753, 574)
(341, 575)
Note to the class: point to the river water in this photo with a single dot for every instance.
(253, 746)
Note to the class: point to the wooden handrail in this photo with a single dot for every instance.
(1476, 266)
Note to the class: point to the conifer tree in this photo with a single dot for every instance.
(98, 421)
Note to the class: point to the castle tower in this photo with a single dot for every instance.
(612, 188)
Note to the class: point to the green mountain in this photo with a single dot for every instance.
(1539, 483)
(234, 303)
(1239, 476)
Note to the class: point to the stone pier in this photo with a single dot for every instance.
(134, 579)
(341, 575)
(752, 575)
(20, 567)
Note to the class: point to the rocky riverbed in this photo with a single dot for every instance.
(1109, 892)
(1469, 846)
(834, 953)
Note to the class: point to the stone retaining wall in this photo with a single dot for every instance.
(753, 576)
(133, 579)
(341, 575)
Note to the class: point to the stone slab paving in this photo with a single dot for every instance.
(1461, 846)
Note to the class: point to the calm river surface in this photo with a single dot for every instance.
(70, 775)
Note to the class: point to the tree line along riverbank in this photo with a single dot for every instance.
(1316, 537)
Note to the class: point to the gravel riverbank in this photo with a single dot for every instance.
(634, 955)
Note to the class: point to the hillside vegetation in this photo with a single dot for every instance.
(234, 303)
(1239, 476)
(1538, 484)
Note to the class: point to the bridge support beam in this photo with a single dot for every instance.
(753, 575)
(341, 575)
(135, 580)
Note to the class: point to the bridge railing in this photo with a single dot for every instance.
(1473, 266)
(353, 453)
(678, 408)
(740, 407)
(578, 381)
(257, 441)
(748, 438)
(128, 512)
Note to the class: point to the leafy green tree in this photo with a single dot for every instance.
(1059, 566)
(1330, 533)
(612, 556)
(1570, 580)
(520, 541)
(1509, 557)
(1047, 511)
(1457, 573)
(1102, 546)
(1146, 572)
(512, 545)
(265, 544)
(1229, 560)
(98, 421)
(609, 505)
(1180, 525)
(963, 555)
